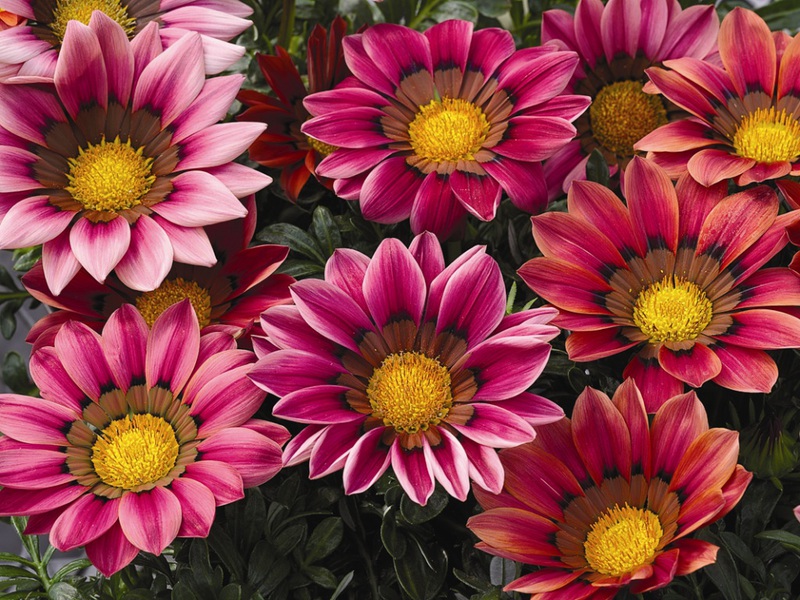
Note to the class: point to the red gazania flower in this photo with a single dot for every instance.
(616, 43)
(29, 52)
(607, 500)
(283, 146)
(138, 436)
(676, 274)
(745, 121)
(121, 165)
(399, 360)
(437, 125)
(228, 297)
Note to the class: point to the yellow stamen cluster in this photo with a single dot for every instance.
(152, 304)
(410, 392)
(622, 539)
(110, 176)
(622, 114)
(320, 147)
(81, 10)
(449, 129)
(768, 136)
(672, 310)
(134, 451)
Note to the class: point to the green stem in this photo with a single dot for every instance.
(13, 295)
(423, 13)
(287, 24)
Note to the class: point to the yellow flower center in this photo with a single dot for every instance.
(768, 136)
(622, 539)
(672, 310)
(449, 129)
(134, 451)
(320, 147)
(410, 392)
(81, 10)
(152, 304)
(622, 114)
(110, 176)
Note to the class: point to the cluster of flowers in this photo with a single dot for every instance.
(171, 328)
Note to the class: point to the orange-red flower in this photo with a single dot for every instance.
(607, 500)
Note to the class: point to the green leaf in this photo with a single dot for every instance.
(294, 237)
(342, 585)
(755, 509)
(788, 540)
(597, 168)
(301, 269)
(23, 596)
(325, 538)
(416, 514)
(71, 567)
(138, 595)
(455, 9)
(325, 230)
(493, 8)
(321, 576)
(64, 591)
(6, 280)
(181, 591)
(8, 319)
(25, 258)
(725, 575)
(743, 552)
(11, 571)
(226, 550)
(287, 539)
(420, 580)
(231, 591)
(393, 540)
(783, 14)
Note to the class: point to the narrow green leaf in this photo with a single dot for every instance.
(783, 14)
(418, 579)
(325, 538)
(393, 540)
(321, 576)
(725, 575)
(342, 585)
(325, 230)
(788, 540)
(71, 567)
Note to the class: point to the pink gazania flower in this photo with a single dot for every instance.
(228, 297)
(283, 146)
(616, 43)
(442, 128)
(606, 501)
(745, 116)
(138, 436)
(399, 360)
(29, 52)
(676, 274)
(121, 165)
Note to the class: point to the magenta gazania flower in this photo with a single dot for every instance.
(121, 164)
(616, 43)
(137, 437)
(442, 128)
(399, 360)
(745, 115)
(677, 274)
(606, 501)
(283, 146)
(29, 52)
(228, 297)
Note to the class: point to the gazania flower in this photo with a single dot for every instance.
(616, 43)
(137, 437)
(283, 146)
(30, 51)
(121, 165)
(442, 128)
(228, 297)
(745, 121)
(399, 360)
(677, 275)
(607, 501)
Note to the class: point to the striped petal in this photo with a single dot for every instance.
(150, 520)
(694, 365)
(83, 521)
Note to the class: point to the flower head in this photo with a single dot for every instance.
(138, 435)
(607, 500)
(744, 121)
(283, 145)
(616, 43)
(121, 164)
(676, 274)
(29, 52)
(399, 360)
(443, 127)
(228, 297)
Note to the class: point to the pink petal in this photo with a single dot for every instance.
(80, 77)
(172, 348)
(239, 179)
(226, 401)
(491, 425)
(81, 352)
(686, 134)
(198, 199)
(535, 409)
(394, 286)
(435, 209)
(677, 423)
(345, 269)
(190, 245)
(150, 520)
(653, 205)
(32, 221)
(197, 507)
(450, 465)
(413, 471)
(523, 182)
(256, 457)
(300, 446)
(53, 381)
(15, 502)
(286, 371)
(287, 329)
(366, 462)
(763, 329)
(124, 346)
(747, 51)
(485, 467)
(695, 365)
(33, 468)
(745, 370)
(118, 56)
(59, 263)
(711, 166)
(222, 479)
(389, 190)
(601, 436)
(149, 256)
(332, 448)
(100, 246)
(217, 145)
(397, 51)
(478, 194)
(320, 404)
(111, 552)
(506, 367)
(83, 521)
